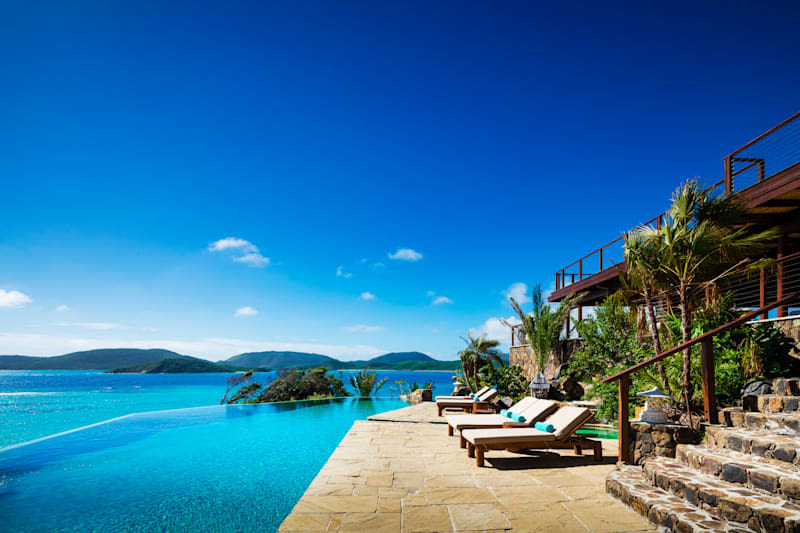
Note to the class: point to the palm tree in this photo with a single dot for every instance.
(543, 324)
(698, 246)
(478, 352)
(366, 383)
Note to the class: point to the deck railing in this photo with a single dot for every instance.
(707, 369)
(766, 155)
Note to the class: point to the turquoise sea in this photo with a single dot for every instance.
(142, 452)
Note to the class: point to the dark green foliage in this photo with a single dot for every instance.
(188, 365)
(246, 394)
(366, 383)
(510, 382)
(775, 348)
(103, 359)
(296, 384)
(408, 388)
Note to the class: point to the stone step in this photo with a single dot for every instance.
(628, 484)
(761, 443)
(727, 502)
(785, 423)
(771, 403)
(786, 386)
(773, 476)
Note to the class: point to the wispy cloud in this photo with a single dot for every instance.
(246, 311)
(61, 308)
(13, 298)
(358, 328)
(518, 291)
(367, 296)
(249, 252)
(340, 272)
(87, 325)
(406, 254)
(494, 329)
(439, 300)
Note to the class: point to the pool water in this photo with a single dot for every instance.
(220, 468)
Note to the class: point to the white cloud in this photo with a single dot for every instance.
(340, 273)
(61, 308)
(493, 329)
(439, 300)
(431, 293)
(13, 299)
(250, 254)
(406, 254)
(518, 291)
(253, 259)
(232, 243)
(362, 328)
(246, 311)
(212, 348)
(87, 325)
(367, 296)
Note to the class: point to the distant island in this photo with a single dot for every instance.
(158, 361)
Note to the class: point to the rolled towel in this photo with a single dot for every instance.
(541, 426)
(472, 395)
(504, 412)
(517, 418)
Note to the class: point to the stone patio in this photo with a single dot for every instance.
(412, 477)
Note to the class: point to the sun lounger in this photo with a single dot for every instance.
(566, 421)
(534, 410)
(483, 390)
(465, 403)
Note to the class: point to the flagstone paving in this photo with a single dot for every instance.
(412, 477)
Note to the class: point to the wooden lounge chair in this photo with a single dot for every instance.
(483, 390)
(566, 421)
(534, 410)
(465, 403)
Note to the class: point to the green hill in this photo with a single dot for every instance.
(189, 365)
(102, 359)
(400, 357)
(282, 360)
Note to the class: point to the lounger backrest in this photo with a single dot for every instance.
(488, 395)
(523, 404)
(567, 420)
(538, 410)
(482, 391)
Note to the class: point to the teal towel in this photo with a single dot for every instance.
(541, 426)
(472, 395)
(504, 412)
(517, 418)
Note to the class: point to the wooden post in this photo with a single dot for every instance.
(709, 389)
(580, 269)
(762, 291)
(728, 177)
(601, 260)
(624, 423)
(580, 313)
(782, 310)
(558, 286)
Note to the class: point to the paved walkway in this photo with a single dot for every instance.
(412, 477)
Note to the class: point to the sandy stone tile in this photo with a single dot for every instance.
(306, 522)
(447, 468)
(337, 504)
(336, 520)
(553, 519)
(407, 464)
(498, 478)
(330, 490)
(342, 468)
(426, 519)
(414, 500)
(561, 478)
(463, 495)
(517, 495)
(477, 517)
(450, 481)
(372, 522)
(383, 480)
(365, 491)
(583, 492)
(389, 505)
(603, 515)
(408, 480)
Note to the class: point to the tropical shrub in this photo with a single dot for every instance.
(511, 382)
(366, 383)
(289, 384)
(479, 355)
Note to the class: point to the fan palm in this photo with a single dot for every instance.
(366, 383)
(479, 351)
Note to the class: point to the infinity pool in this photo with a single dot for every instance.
(220, 468)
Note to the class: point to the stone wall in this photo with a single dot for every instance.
(523, 356)
(648, 440)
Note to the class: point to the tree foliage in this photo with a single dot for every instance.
(479, 352)
(366, 383)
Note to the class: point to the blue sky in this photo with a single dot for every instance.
(166, 167)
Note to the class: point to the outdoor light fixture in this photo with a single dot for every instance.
(654, 406)
(539, 386)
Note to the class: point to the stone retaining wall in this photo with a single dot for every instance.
(648, 440)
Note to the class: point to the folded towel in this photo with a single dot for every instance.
(517, 418)
(472, 395)
(504, 412)
(541, 426)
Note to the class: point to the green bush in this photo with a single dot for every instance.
(296, 384)
(511, 382)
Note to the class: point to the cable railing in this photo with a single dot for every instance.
(769, 154)
(706, 342)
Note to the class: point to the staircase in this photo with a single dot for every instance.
(745, 477)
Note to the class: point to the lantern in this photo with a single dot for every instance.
(539, 386)
(654, 406)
